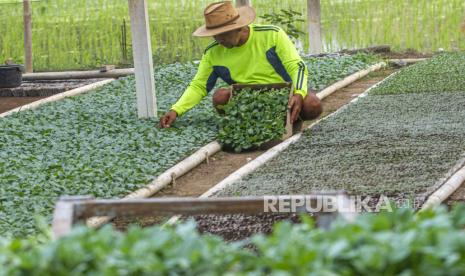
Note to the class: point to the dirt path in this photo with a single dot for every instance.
(222, 164)
(31, 91)
(458, 196)
(8, 103)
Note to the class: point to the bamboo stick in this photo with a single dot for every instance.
(27, 17)
(94, 74)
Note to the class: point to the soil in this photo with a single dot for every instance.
(409, 53)
(31, 91)
(458, 196)
(240, 227)
(8, 103)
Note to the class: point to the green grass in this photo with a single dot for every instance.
(84, 34)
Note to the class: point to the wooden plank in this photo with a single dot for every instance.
(324, 205)
(199, 206)
(371, 49)
(93, 74)
(314, 26)
(143, 64)
(64, 215)
(240, 3)
(27, 17)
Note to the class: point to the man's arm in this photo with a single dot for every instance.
(203, 82)
(296, 69)
(197, 89)
(292, 62)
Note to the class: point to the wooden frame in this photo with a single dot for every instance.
(70, 211)
(143, 64)
(314, 26)
(27, 18)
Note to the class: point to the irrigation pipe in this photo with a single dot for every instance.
(54, 98)
(445, 190)
(348, 80)
(95, 74)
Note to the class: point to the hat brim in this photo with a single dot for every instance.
(246, 16)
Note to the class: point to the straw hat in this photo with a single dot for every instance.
(221, 17)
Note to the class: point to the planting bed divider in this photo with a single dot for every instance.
(60, 96)
(94, 144)
(401, 141)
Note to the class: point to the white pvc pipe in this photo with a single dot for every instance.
(94, 74)
(406, 60)
(446, 190)
(54, 98)
(348, 80)
(176, 171)
(165, 178)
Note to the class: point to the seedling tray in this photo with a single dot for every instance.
(288, 124)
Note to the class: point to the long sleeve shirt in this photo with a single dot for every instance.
(268, 56)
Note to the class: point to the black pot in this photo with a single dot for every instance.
(11, 75)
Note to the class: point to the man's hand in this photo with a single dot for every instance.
(168, 119)
(295, 105)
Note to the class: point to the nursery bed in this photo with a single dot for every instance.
(94, 144)
(401, 145)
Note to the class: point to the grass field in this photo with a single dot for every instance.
(84, 34)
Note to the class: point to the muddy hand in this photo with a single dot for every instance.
(295, 105)
(168, 119)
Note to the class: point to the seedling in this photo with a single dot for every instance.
(256, 114)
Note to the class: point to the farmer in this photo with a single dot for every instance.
(245, 53)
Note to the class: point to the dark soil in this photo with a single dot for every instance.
(458, 196)
(239, 227)
(31, 91)
(44, 88)
(8, 103)
(409, 53)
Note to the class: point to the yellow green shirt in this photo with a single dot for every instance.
(268, 56)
